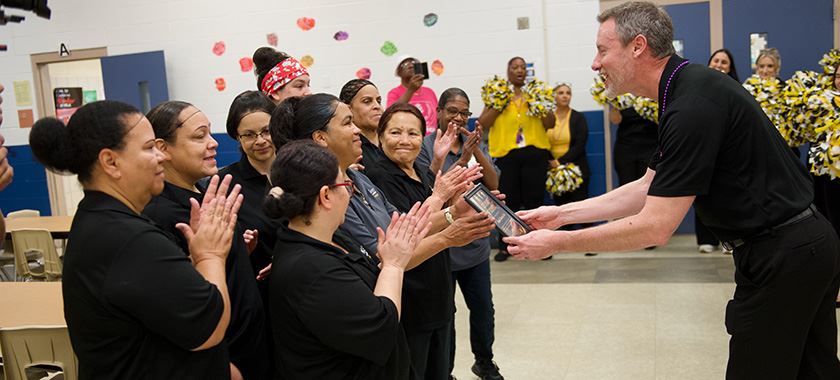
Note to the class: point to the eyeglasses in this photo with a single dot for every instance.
(452, 112)
(251, 137)
(347, 183)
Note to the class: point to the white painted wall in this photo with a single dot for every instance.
(474, 39)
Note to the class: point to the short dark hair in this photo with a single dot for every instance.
(165, 119)
(642, 17)
(351, 88)
(450, 93)
(404, 60)
(244, 104)
(733, 73)
(75, 148)
(296, 118)
(396, 108)
(510, 61)
(301, 169)
(265, 58)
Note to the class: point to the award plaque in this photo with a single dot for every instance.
(482, 200)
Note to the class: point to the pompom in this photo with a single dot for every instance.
(563, 179)
(539, 97)
(496, 93)
(768, 94)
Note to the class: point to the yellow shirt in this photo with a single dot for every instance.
(560, 137)
(505, 134)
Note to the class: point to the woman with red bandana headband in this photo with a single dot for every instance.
(279, 75)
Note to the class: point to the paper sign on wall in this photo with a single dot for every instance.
(23, 93)
(25, 118)
(67, 101)
(89, 96)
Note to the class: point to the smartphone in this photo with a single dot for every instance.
(422, 68)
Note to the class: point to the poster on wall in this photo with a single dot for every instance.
(758, 42)
(67, 101)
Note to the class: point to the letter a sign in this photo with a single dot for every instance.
(63, 51)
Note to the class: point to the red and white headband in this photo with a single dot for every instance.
(281, 74)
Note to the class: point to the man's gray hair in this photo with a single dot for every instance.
(645, 18)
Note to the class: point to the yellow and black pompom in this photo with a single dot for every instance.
(768, 94)
(563, 179)
(824, 155)
(645, 107)
(799, 114)
(830, 61)
(539, 97)
(496, 93)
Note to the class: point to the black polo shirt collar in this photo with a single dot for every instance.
(180, 195)
(248, 170)
(391, 168)
(673, 63)
(355, 252)
(99, 201)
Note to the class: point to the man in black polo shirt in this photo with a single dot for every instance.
(717, 147)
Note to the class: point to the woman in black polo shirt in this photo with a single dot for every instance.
(136, 306)
(183, 135)
(247, 123)
(336, 315)
(429, 305)
(366, 105)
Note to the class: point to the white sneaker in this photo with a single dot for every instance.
(706, 248)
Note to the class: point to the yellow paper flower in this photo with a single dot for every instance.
(563, 179)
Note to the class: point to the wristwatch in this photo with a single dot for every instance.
(448, 215)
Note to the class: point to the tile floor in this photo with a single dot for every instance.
(630, 316)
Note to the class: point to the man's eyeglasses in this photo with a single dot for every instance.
(452, 112)
(348, 184)
(251, 137)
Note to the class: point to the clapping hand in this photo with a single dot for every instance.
(210, 230)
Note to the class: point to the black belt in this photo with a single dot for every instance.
(735, 243)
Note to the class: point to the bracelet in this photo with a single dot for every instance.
(448, 215)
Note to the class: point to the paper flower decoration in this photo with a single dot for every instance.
(306, 23)
(219, 48)
(437, 67)
(563, 179)
(341, 36)
(307, 61)
(363, 73)
(246, 64)
(388, 48)
(496, 93)
(220, 84)
(430, 19)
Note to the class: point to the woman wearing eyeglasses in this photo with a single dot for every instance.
(471, 262)
(336, 311)
(568, 142)
(247, 123)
